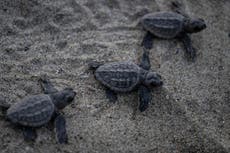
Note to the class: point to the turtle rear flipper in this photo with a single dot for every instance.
(4, 107)
(60, 129)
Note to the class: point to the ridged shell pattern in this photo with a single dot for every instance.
(119, 76)
(164, 24)
(32, 111)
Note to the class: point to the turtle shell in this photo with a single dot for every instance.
(32, 111)
(163, 24)
(119, 76)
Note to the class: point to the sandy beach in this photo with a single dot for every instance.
(57, 38)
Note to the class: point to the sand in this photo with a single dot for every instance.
(189, 114)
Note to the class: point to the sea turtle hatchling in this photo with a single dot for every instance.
(127, 76)
(168, 25)
(37, 110)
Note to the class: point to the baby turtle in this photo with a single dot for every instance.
(37, 110)
(168, 25)
(127, 76)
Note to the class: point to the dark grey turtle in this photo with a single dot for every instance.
(37, 110)
(127, 76)
(168, 25)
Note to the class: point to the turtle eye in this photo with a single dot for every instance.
(68, 88)
(149, 78)
(197, 28)
(69, 98)
(201, 20)
(159, 76)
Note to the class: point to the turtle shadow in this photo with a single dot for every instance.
(175, 122)
(162, 103)
(186, 134)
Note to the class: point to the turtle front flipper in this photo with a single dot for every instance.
(178, 8)
(145, 62)
(29, 133)
(190, 51)
(47, 86)
(60, 129)
(111, 95)
(144, 93)
(147, 41)
(145, 97)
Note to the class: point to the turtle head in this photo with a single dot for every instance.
(153, 79)
(194, 25)
(63, 98)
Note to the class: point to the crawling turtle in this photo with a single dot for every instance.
(127, 76)
(168, 25)
(37, 110)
